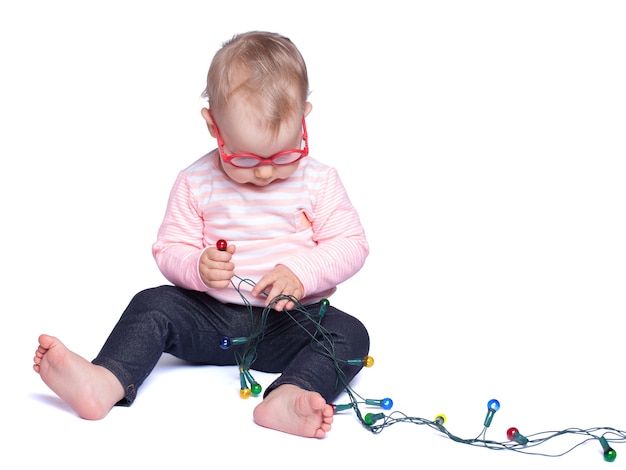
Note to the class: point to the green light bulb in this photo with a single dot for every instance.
(609, 453)
(370, 418)
(324, 303)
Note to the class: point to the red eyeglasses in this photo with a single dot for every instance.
(249, 160)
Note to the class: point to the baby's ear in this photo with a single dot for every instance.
(209, 121)
(307, 108)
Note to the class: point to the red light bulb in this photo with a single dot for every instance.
(514, 435)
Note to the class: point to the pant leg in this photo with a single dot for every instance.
(184, 323)
(312, 364)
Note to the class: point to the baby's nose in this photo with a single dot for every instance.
(264, 171)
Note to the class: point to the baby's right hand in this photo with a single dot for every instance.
(216, 269)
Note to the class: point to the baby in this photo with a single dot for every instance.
(288, 225)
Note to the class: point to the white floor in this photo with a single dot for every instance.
(483, 145)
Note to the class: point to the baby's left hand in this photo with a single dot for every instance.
(279, 280)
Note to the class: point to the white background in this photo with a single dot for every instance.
(483, 143)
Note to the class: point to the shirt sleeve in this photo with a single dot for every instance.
(341, 246)
(179, 242)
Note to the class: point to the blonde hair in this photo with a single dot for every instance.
(266, 70)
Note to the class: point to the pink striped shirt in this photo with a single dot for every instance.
(306, 223)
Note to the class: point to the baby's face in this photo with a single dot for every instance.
(241, 133)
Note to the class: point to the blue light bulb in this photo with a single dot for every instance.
(227, 342)
(492, 407)
(385, 403)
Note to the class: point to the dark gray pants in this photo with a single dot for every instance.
(190, 325)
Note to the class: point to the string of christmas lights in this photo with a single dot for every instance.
(322, 341)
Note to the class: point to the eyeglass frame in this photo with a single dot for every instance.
(260, 160)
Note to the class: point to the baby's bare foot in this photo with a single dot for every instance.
(293, 410)
(89, 389)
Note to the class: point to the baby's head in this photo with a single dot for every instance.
(262, 71)
(257, 87)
